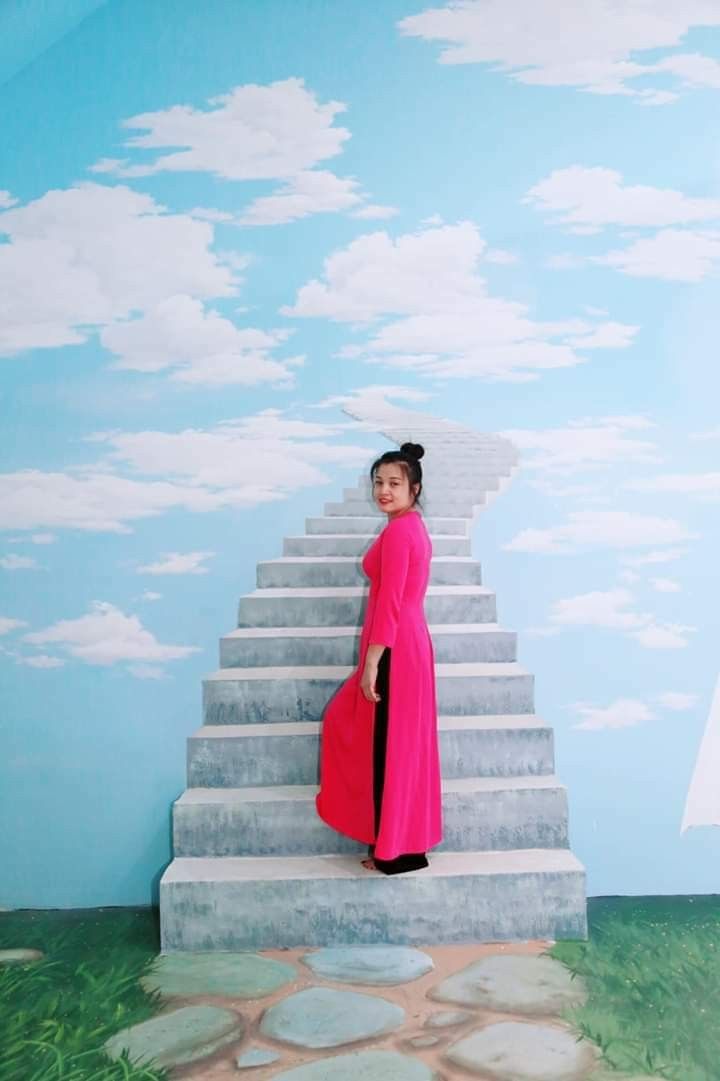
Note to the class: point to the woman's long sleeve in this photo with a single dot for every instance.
(394, 562)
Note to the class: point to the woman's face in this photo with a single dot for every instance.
(391, 489)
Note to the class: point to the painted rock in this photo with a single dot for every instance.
(173, 1039)
(520, 1051)
(380, 965)
(361, 1066)
(513, 983)
(239, 975)
(322, 1017)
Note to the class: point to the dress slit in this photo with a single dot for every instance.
(410, 861)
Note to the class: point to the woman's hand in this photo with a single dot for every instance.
(368, 680)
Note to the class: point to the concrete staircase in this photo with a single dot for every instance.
(254, 867)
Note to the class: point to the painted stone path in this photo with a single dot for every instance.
(373, 1013)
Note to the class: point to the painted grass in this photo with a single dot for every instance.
(56, 1014)
(652, 968)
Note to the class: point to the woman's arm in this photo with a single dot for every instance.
(394, 562)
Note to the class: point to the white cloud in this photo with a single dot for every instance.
(252, 133)
(705, 486)
(6, 200)
(240, 463)
(178, 563)
(607, 609)
(445, 322)
(18, 563)
(590, 45)
(676, 701)
(595, 197)
(97, 500)
(198, 346)
(42, 660)
(8, 624)
(629, 576)
(664, 636)
(147, 671)
(665, 585)
(599, 529)
(83, 257)
(661, 555)
(310, 192)
(375, 210)
(622, 713)
(684, 255)
(614, 609)
(693, 68)
(586, 492)
(149, 595)
(376, 396)
(584, 443)
(275, 132)
(105, 636)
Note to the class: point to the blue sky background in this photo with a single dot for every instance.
(465, 177)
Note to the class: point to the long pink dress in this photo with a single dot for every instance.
(398, 565)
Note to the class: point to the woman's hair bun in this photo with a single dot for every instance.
(412, 450)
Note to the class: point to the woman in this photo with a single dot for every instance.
(379, 762)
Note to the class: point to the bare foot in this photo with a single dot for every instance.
(369, 863)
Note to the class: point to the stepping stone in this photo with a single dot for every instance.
(514, 983)
(240, 975)
(379, 965)
(518, 1051)
(256, 1056)
(174, 1039)
(361, 1066)
(323, 1017)
(614, 1075)
(424, 1041)
(447, 1018)
(20, 956)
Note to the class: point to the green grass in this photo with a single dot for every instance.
(651, 965)
(56, 1014)
(652, 969)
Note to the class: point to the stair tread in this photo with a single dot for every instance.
(370, 536)
(342, 671)
(465, 722)
(336, 631)
(442, 865)
(306, 560)
(306, 792)
(314, 592)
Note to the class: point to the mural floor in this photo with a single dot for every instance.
(85, 996)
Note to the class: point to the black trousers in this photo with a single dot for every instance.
(411, 861)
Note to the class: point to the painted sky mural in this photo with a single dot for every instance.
(219, 224)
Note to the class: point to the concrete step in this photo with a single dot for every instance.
(361, 508)
(255, 647)
(234, 756)
(258, 902)
(351, 544)
(437, 492)
(296, 572)
(478, 813)
(344, 606)
(301, 693)
(373, 523)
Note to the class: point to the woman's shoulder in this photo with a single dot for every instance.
(412, 521)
